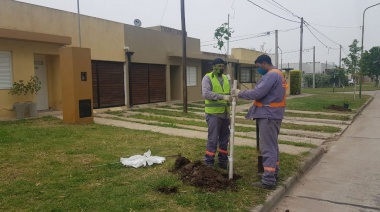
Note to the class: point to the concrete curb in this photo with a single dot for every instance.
(359, 111)
(280, 192)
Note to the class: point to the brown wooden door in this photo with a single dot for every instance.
(108, 84)
(148, 83)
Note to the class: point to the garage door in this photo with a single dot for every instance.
(148, 83)
(108, 84)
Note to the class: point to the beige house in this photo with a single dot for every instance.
(130, 65)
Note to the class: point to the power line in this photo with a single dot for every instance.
(271, 12)
(344, 27)
(164, 11)
(287, 30)
(267, 33)
(323, 34)
(286, 9)
(275, 7)
(260, 35)
(315, 35)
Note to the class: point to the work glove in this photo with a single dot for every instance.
(235, 92)
(227, 98)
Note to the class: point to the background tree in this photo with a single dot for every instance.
(352, 60)
(222, 34)
(370, 64)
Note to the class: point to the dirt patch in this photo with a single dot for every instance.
(202, 176)
(337, 108)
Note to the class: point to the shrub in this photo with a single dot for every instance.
(295, 82)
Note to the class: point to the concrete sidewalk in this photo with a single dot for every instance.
(347, 178)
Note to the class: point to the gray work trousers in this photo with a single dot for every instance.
(218, 134)
(268, 132)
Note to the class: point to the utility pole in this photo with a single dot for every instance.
(313, 66)
(276, 47)
(301, 39)
(340, 63)
(80, 39)
(281, 56)
(184, 75)
(340, 56)
(361, 54)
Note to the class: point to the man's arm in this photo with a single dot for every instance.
(261, 90)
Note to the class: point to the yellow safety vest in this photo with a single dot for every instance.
(218, 106)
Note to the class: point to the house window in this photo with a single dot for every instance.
(248, 75)
(245, 75)
(191, 75)
(5, 70)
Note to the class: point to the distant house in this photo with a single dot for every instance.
(307, 68)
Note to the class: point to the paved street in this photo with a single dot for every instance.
(347, 178)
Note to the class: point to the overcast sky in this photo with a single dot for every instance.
(333, 22)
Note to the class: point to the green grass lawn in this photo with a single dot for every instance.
(319, 101)
(365, 87)
(49, 166)
(201, 122)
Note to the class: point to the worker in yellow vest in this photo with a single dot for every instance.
(268, 109)
(216, 91)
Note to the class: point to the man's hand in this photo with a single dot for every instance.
(235, 92)
(227, 98)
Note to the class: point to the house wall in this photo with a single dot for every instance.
(152, 46)
(105, 38)
(245, 56)
(194, 93)
(23, 68)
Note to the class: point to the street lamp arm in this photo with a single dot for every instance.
(361, 52)
(363, 25)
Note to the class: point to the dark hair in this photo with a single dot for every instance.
(218, 61)
(263, 58)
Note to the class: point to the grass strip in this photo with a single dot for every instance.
(50, 166)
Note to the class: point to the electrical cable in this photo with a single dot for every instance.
(286, 9)
(272, 13)
(344, 27)
(267, 33)
(315, 36)
(237, 39)
(164, 11)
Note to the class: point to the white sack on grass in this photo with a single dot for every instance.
(142, 160)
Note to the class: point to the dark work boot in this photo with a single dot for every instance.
(223, 166)
(259, 175)
(264, 186)
(209, 161)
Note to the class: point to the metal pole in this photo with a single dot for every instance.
(281, 56)
(276, 47)
(313, 66)
(232, 137)
(301, 39)
(184, 79)
(340, 55)
(80, 39)
(360, 80)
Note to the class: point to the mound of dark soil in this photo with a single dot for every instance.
(200, 175)
(337, 108)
